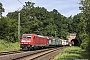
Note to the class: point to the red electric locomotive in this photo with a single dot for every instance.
(31, 41)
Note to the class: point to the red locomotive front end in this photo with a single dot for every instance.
(26, 41)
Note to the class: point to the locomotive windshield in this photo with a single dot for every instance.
(26, 37)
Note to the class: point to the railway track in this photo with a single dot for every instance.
(26, 55)
(9, 52)
(44, 55)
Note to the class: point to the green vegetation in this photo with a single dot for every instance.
(84, 34)
(72, 53)
(48, 23)
(1, 9)
(8, 46)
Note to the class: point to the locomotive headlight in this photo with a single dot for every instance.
(23, 41)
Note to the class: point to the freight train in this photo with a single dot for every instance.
(33, 41)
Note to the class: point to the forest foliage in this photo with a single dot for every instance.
(48, 23)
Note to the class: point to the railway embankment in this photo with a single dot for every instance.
(73, 53)
(8, 46)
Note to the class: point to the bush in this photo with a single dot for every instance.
(8, 46)
(72, 53)
(85, 42)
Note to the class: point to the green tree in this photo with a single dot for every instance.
(8, 29)
(40, 21)
(85, 8)
(1, 9)
(3, 27)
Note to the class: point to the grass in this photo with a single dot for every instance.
(73, 53)
(8, 46)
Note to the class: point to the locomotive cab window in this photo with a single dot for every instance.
(26, 36)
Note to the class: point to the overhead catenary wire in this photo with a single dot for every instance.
(20, 2)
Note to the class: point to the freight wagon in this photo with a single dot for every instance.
(64, 42)
(51, 42)
(58, 42)
(54, 42)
